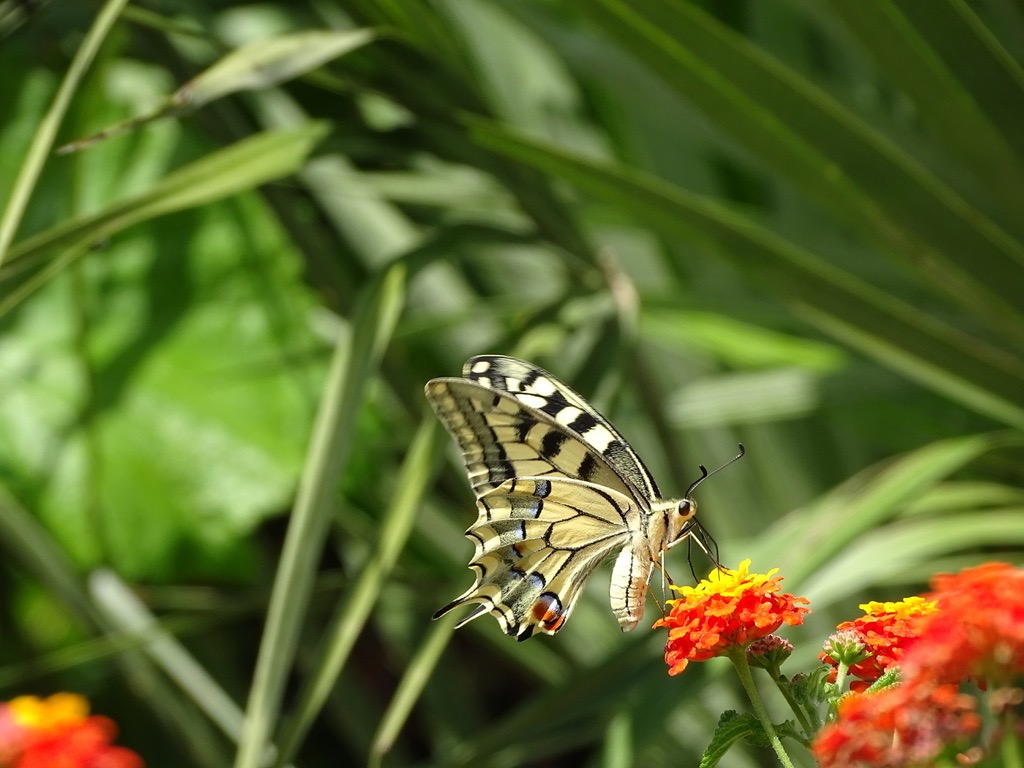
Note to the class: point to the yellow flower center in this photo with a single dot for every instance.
(727, 582)
(905, 608)
(56, 711)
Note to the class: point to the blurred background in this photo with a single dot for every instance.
(789, 224)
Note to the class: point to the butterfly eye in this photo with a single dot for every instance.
(687, 508)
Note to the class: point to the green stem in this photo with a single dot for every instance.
(739, 661)
(833, 705)
(841, 676)
(1010, 744)
(787, 694)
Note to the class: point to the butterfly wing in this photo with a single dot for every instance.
(537, 540)
(536, 388)
(517, 425)
(502, 438)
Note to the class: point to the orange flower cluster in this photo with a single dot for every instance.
(976, 631)
(730, 609)
(59, 732)
(900, 726)
(886, 630)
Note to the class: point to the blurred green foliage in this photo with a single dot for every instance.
(783, 223)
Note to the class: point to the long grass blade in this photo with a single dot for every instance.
(46, 132)
(413, 480)
(356, 357)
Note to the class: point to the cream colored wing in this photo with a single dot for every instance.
(537, 540)
(502, 437)
(539, 390)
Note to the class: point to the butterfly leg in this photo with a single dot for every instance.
(666, 579)
(699, 534)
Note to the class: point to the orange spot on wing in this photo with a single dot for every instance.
(548, 612)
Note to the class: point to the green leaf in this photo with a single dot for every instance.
(954, 69)
(732, 727)
(257, 65)
(43, 139)
(241, 166)
(789, 123)
(416, 472)
(821, 536)
(163, 396)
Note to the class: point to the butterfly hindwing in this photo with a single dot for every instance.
(537, 539)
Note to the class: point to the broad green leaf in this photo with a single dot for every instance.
(178, 364)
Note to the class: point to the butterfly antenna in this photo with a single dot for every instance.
(704, 474)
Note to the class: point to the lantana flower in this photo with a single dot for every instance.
(886, 631)
(59, 731)
(977, 631)
(907, 725)
(727, 611)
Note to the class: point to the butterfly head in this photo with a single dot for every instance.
(681, 517)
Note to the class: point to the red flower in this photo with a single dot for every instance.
(977, 632)
(58, 732)
(974, 631)
(886, 631)
(908, 725)
(727, 610)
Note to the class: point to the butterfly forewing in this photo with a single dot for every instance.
(538, 389)
(502, 438)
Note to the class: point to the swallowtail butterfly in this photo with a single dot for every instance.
(558, 490)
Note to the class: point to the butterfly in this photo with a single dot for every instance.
(558, 491)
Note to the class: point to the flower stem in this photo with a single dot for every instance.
(833, 705)
(787, 694)
(841, 675)
(1010, 746)
(739, 661)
